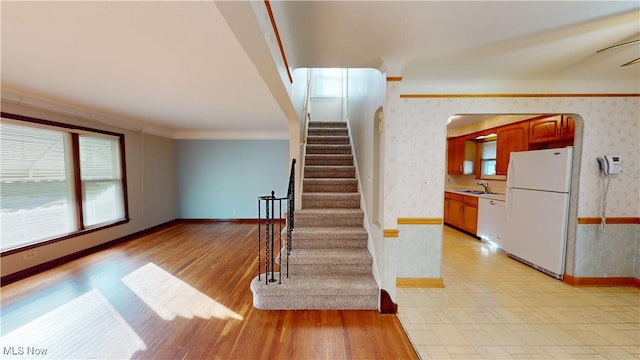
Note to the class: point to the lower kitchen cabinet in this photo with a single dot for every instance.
(470, 214)
(461, 211)
(454, 209)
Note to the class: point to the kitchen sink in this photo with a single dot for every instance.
(477, 192)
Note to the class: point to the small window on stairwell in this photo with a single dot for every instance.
(326, 83)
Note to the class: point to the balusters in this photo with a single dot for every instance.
(269, 230)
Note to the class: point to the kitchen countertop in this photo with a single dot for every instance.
(500, 197)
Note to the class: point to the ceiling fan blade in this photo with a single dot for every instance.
(631, 62)
(619, 45)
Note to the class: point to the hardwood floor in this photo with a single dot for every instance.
(219, 260)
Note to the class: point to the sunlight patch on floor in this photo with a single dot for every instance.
(87, 327)
(169, 296)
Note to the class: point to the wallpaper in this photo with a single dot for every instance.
(416, 131)
(415, 146)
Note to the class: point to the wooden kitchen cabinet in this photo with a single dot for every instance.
(460, 149)
(455, 155)
(470, 214)
(447, 207)
(461, 211)
(456, 209)
(551, 129)
(510, 138)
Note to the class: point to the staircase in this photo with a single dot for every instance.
(330, 265)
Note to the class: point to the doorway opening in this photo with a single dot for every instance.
(474, 165)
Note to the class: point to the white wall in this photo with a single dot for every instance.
(150, 183)
(366, 93)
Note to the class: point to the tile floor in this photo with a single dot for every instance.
(493, 307)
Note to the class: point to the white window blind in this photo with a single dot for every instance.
(488, 157)
(326, 83)
(101, 180)
(36, 187)
(38, 176)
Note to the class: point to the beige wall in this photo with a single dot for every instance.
(151, 174)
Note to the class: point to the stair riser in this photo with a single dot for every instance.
(329, 161)
(316, 302)
(330, 204)
(329, 269)
(329, 172)
(328, 140)
(328, 149)
(328, 132)
(327, 222)
(327, 124)
(323, 234)
(311, 186)
(329, 244)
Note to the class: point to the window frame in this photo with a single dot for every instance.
(74, 131)
(481, 159)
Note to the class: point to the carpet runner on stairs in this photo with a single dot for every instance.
(330, 265)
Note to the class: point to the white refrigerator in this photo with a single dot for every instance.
(538, 184)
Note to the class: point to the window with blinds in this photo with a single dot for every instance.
(43, 196)
(101, 180)
(488, 158)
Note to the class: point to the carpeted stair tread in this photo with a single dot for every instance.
(349, 194)
(337, 231)
(338, 212)
(328, 131)
(330, 185)
(329, 217)
(331, 200)
(329, 172)
(329, 124)
(320, 284)
(330, 237)
(330, 256)
(328, 149)
(317, 292)
(329, 160)
(337, 140)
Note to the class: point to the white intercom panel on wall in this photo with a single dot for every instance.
(610, 164)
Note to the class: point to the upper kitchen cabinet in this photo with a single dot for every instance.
(552, 131)
(511, 138)
(460, 155)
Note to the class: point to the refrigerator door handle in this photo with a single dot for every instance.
(508, 202)
(511, 171)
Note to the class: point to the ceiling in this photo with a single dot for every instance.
(176, 68)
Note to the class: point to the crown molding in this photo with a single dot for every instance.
(46, 104)
(231, 135)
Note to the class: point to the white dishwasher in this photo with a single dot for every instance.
(492, 220)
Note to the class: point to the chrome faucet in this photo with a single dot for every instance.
(485, 185)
